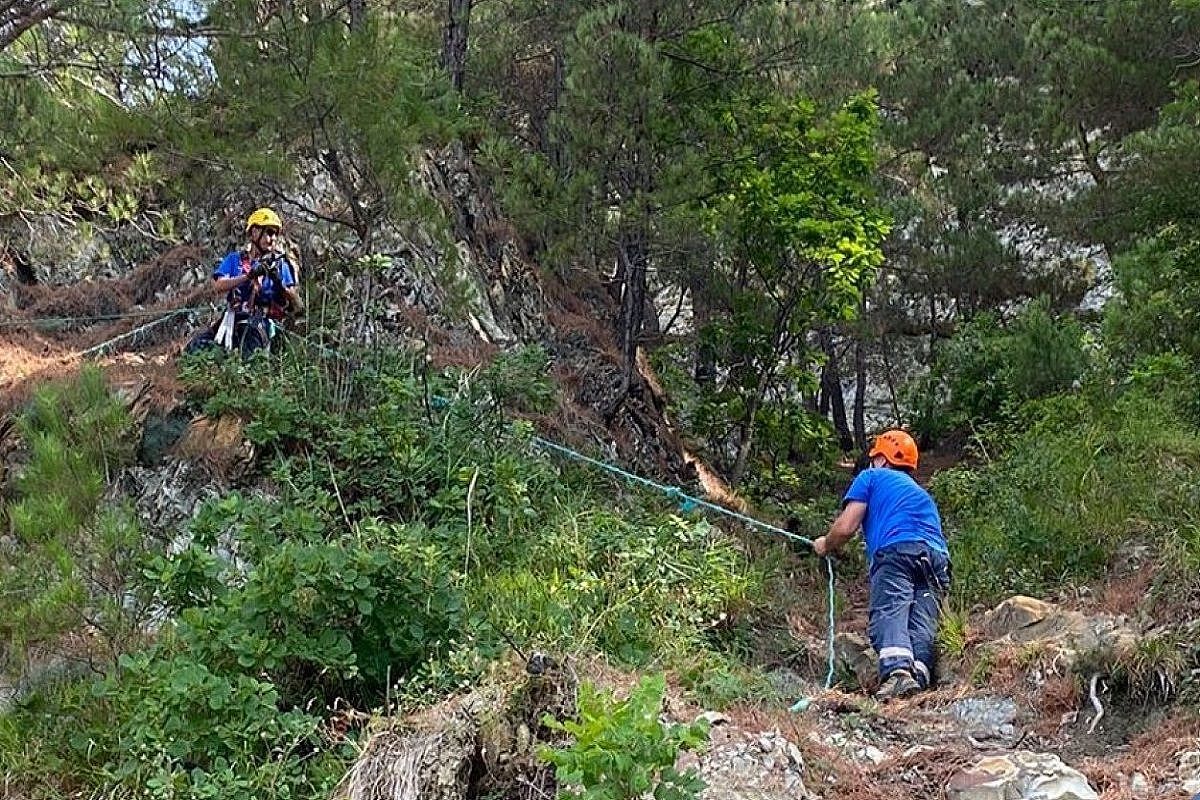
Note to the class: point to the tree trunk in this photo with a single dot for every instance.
(1101, 178)
(551, 144)
(860, 390)
(632, 256)
(358, 14)
(831, 387)
(704, 367)
(454, 41)
(746, 439)
(18, 16)
(361, 219)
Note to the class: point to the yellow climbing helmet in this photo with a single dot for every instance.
(264, 218)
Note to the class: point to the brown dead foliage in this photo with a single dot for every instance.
(923, 773)
(583, 296)
(1152, 754)
(217, 444)
(84, 299)
(568, 324)
(1125, 594)
(462, 352)
(416, 319)
(107, 296)
(163, 270)
(1061, 694)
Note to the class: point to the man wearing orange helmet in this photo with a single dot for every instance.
(908, 557)
(259, 283)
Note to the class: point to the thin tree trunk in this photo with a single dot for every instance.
(551, 145)
(933, 324)
(358, 14)
(860, 391)
(704, 368)
(631, 254)
(361, 219)
(454, 41)
(18, 16)
(831, 387)
(746, 439)
(1101, 178)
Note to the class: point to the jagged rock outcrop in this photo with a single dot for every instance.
(1188, 765)
(1064, 633)
(855, 655)
(986, 718)
(1022, 775)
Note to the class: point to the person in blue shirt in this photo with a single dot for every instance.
(259, 283)
(908, 557)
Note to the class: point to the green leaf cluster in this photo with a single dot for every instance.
(621, 750)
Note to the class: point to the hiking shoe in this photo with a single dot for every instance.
(899, 684)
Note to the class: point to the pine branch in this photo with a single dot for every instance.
(18, 16)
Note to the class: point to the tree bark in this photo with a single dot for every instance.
(746, 439)
(454, 41)
(18, 16)
(831, 387)
(860, 390)
(358, 14)
(704, 368)
(632, 255)
(1092, 160)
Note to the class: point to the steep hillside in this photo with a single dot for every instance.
(404, 569)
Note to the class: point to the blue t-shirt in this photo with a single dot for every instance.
(898, 510)
(270, 294)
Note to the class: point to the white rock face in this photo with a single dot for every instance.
(1189, 770)
(1022, 775)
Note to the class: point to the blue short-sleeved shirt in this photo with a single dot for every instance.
(270, 294)
(898, 510)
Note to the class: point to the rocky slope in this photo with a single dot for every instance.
(1035, 706)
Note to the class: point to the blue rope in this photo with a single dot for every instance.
(688, 503)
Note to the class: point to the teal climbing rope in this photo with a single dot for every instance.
(687, 503)
(674, 492)
(46, 321)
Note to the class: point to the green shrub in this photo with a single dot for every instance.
(621, 751)
(68, 565)
(1079, 475)
(519, 379)
(187, 731)
(795, 450)
(628, 587)
(1156, 308)
(988, 370)
(393, 545)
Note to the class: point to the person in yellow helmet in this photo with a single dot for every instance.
(908, 557)
(259, 282)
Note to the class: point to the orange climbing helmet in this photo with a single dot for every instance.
(897, 447)
(264, 218)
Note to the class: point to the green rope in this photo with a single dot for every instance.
(36, 321)
(688, 503)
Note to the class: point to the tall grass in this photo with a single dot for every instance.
(1080, 475)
